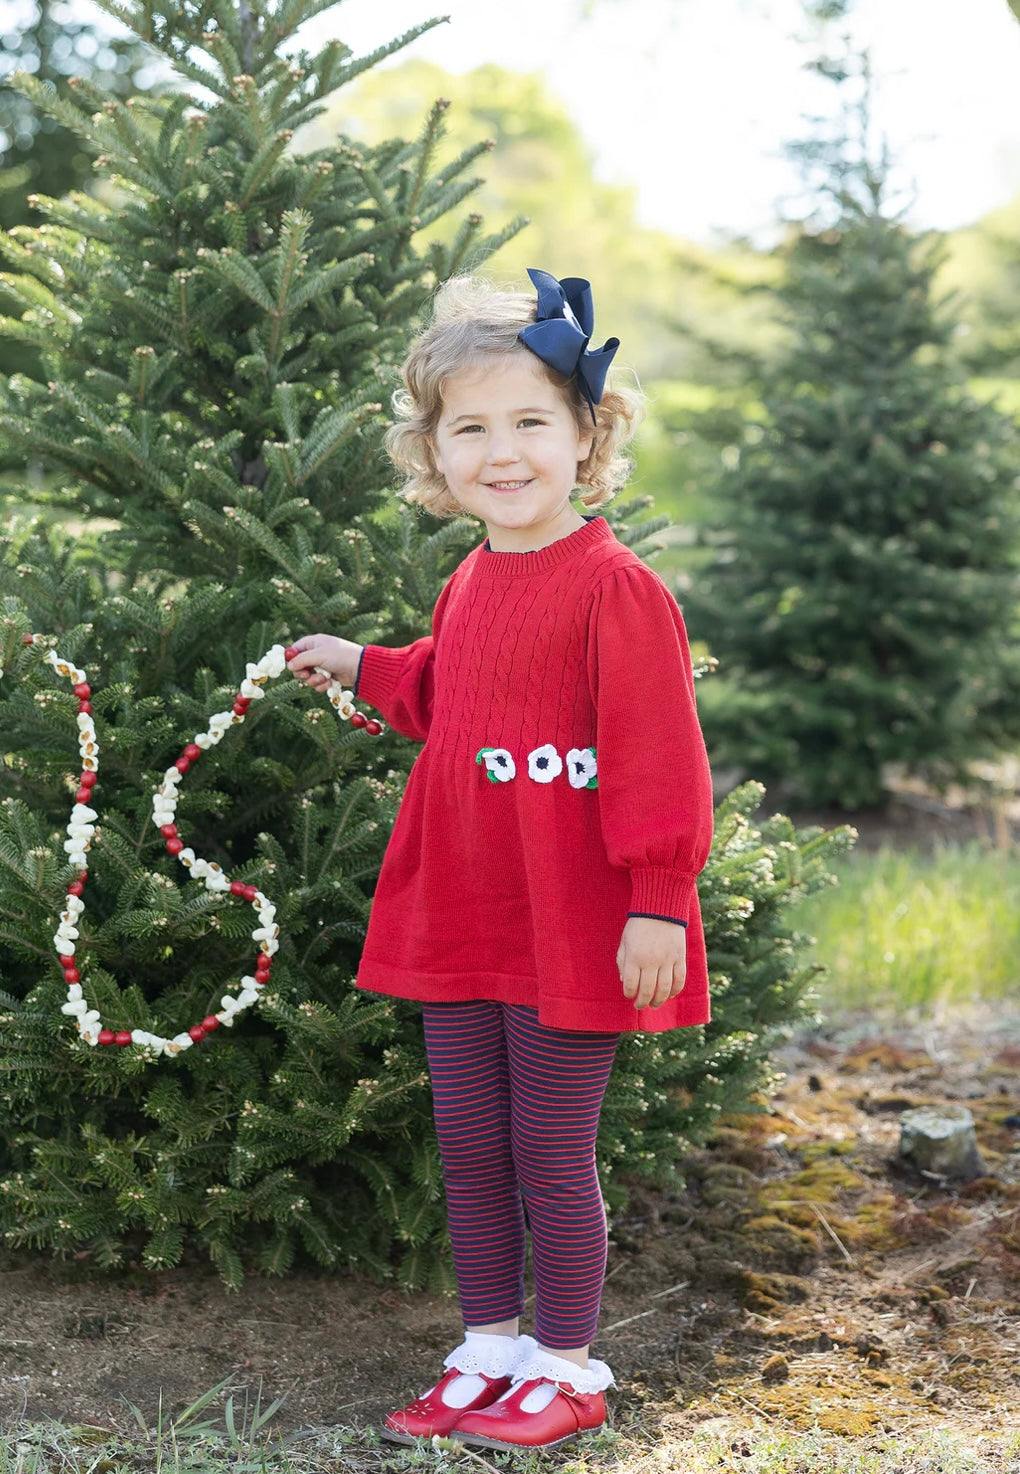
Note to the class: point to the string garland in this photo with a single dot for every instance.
(81, 829)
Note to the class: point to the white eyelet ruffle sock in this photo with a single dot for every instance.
(479, 1356)
(595, 1377)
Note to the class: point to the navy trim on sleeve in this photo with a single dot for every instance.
(357, 677)
(650, 915)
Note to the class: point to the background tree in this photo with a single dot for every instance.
(219, 327)
(37, 153)
(861, 592)
(541, 167)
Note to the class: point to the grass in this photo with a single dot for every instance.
(191, 1444)
(905, 930)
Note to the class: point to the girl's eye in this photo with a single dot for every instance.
(532, 422)
(464, 429)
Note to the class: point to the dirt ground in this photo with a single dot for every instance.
(803, 1274)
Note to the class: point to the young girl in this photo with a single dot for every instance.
(538, 893)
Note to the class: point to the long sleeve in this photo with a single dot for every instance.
(400, 681)
(654, 784)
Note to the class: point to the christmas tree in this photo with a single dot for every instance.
(861, 589)
(219, 330)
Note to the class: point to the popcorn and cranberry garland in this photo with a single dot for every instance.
(82, 826)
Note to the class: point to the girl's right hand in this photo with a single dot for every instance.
(318, 653)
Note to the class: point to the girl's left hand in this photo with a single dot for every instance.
(652, 960)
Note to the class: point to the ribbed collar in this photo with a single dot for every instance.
(525, 565)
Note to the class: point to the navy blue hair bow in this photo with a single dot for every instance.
(560, 336)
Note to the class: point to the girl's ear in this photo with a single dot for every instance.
(585, 445)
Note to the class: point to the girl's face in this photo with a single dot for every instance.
(509, 446)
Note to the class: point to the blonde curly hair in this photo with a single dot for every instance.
(473, 319)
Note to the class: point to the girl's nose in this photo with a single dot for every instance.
(503, 449)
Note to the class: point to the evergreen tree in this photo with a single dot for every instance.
(37, 152)
(861, 589)
(219, 330)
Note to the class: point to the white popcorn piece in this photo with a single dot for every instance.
(63, 945)
(203, 740)
(250, 690)
(74, 1006)
(199, 868)
(186, 857)
(274, 662)
(73, 992)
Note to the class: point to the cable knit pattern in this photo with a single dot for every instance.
(518, 891)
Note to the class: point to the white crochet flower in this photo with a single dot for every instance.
(582, 769)
(544, 764)
(499, 764)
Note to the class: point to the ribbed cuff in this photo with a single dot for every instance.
(651, 916)
(666, 893)
(379, 671)
(357, 678)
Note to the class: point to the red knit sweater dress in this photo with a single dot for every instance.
(563, 784)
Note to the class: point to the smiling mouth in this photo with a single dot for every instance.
(507, 485)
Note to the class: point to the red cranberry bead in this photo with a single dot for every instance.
(174, 846)
(84, 708)
(192, 751)
(75, 888)
(250, 892)
(373, 728)
(28, 639)
(197, 1033)
(168, 831)
(182, 765)
(359, 720)
(83, 795)
(238, 709)
(83, 691)
(124, 1037)
(237, 887)
(66, 959)
(210, 1022)
(71, 975)
(88, 780)
(290, 652)
(106, 1036)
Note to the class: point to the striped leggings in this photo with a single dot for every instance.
(517, 1108)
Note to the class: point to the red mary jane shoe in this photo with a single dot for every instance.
(544, 1408)
(429, 1415)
